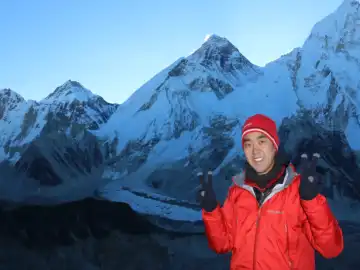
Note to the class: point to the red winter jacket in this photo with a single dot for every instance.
(281, 234)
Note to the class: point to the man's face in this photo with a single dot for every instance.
(259, 152)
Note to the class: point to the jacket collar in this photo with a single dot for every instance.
(290, 175)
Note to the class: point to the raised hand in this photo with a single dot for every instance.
(310, 179)
(206, 195)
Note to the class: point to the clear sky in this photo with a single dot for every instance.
(112, 47)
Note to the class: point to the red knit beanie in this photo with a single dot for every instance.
(263, 124)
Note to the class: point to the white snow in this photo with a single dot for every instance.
(175, 149)
(207, 36)
(125, 123)
(68, 92)
(12, 124)
(344, 210)
(337, 102)
(151, 206)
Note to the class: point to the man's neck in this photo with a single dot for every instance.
(263, 181)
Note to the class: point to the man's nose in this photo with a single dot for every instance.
(255, 149)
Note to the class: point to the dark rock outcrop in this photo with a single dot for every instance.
(50, 226)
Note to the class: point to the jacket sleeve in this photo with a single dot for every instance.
(219, 225)
(322, 228)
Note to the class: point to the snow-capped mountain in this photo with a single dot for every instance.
(47, 150)
(71, 109)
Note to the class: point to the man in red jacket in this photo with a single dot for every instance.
(273, 217)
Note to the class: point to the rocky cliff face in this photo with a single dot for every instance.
(53, 169)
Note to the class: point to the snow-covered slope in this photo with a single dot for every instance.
(326, 71)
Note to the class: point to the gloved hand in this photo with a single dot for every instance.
(310, 179)
(206, 195)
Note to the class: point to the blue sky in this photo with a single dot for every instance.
(112, 47)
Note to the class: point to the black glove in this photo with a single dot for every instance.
(310, 179)
(206, 195)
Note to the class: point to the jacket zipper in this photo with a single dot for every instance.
(260, 204)
(258, 217)
(288, 246)
(256, 234)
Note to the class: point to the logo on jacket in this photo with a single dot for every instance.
(277, 212)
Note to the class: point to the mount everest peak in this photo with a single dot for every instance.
(220, 52)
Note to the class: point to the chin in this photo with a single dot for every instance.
(261, 169)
